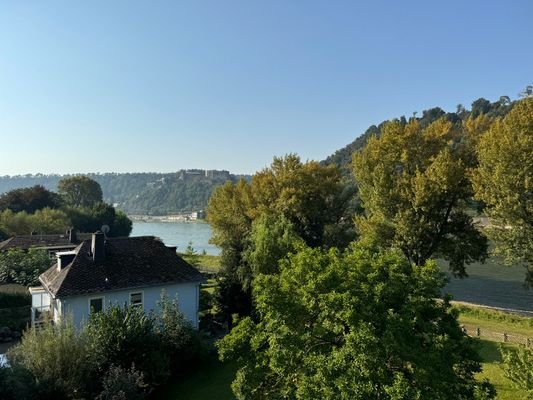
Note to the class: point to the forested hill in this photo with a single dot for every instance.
(142, 193)
(343, 157)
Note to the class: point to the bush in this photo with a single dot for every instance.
(9, 300)
(119, 354)
(58, 357)
(125, 335)
(17, 383)
(179, 340)
(123, 384)
(518, 367)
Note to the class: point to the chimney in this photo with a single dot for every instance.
(72, 237)
(64, 258)
(173, 249)
(98, 247)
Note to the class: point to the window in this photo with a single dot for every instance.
(96, 305)
(136, 299)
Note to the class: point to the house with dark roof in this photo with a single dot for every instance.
(51, 243)
(126, 271)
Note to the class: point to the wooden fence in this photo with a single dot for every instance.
(503, 337)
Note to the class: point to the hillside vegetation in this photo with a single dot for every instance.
(343, 157)
(141, 193)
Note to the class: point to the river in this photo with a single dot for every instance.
(178, 234)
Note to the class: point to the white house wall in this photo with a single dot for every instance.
(187, 295)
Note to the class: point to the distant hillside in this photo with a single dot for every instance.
(142, 193)
(343, 157)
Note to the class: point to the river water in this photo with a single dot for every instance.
(178, 234)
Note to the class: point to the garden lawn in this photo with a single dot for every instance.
(210, 382)
(492, 371)
(496, 321)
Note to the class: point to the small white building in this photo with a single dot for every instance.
(124, 271)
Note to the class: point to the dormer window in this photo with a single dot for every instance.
(136, 299)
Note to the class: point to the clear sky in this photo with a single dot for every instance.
(103, 86)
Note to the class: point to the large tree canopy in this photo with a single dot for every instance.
(504, 182)
(354, 326)
(308, 197)
(414, 187)
(80, 191)
(29, 199)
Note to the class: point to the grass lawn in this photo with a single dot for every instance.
(496, 321)
(209, 383)
(490, 354)
(207, 261)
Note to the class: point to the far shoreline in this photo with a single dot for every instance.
(173, 218)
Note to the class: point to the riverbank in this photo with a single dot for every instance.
(185, 217)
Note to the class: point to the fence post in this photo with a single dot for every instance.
(528, 342)
(505, 338)
(478, 331)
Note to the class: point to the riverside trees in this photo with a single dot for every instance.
(308, 197)
(358, 325)
(79, 205)
(414, 187)
(504, 182)
(328, 323)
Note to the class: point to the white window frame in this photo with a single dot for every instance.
(141, 304)
(96, 298)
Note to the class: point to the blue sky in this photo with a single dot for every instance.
(105, 86)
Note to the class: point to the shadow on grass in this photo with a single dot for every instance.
(210, 381)
(488, 351)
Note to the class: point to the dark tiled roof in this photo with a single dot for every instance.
(48, 241)
(129, 263)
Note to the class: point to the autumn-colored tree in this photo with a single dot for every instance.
(414, 187)
(504, 182)
(307, 196)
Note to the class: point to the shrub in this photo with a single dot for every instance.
(17, 383)
(9, 300)
(518, 367)
(58, 357)
(123, 384)
(125, 335)
(179, 340)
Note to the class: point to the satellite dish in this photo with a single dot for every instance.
(105, 229)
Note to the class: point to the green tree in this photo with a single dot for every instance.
(518, 367)
(49, 220)
(43, 221)
(23, 267)
(414, 189)
(80, 191)
(309, 197)
(12, 223)
(29, 199)
(271, 240)
(229, 217)
(359, 325)
(91, 219)
(504, 182)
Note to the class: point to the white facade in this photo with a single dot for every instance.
(79, 307)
